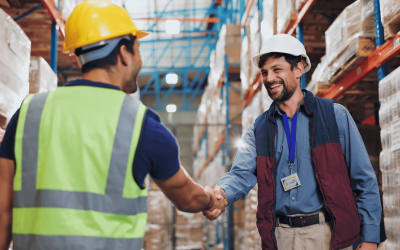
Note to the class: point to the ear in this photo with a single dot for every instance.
(299, 69)
(123, 55)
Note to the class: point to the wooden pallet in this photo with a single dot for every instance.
(321, 88)
(366, 45)
(392, 27)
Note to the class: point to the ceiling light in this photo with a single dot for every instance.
(171, 108)
(171, 78)
(172, 27)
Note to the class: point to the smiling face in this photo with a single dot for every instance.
(280, 80)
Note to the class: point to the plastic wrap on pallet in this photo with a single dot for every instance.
(299, 4)
(254, 45)
(158, 228)
(356, 20)
(245, 64)
(15, 49)
(267, 23)
(189, 230)
(41, 77)
(319, 79)
(286, 11)
(389, 121)
(389, 9)
(252, 111)
(251, 235)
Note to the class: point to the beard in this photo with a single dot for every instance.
(130, 86)
(284, 95)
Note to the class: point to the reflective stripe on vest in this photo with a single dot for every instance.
(62, 219)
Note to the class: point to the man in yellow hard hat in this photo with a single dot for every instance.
(73, 161)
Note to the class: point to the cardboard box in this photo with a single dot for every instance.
(41, 77)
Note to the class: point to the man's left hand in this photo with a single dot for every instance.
(367, 246)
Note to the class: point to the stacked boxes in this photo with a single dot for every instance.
(190, 230)
(390, 15)
(286, 12)
(159, 222)
(389, 120)
(251, 236)
(15, 49)
(319, 80)
(41, 77)
(350, 36)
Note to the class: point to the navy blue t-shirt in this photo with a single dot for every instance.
(157, 153)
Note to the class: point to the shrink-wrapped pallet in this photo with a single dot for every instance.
(251, 234)
(350, 37)
(299, 4)
(15, 49)
(41, 77)
(389, 120)
(189, 230)
(319, 81)
(159, 222)
(390, 15)
(245, 64)
(286, 12)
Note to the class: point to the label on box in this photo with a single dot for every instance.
(396, 135)
(15, 45)
(34, 65)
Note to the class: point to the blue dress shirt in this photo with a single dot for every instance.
(307, 197)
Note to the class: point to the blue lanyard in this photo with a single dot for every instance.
(291, 138)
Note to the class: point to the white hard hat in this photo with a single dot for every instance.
(283, 43)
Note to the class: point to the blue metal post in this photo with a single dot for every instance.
(28, 12)
(300, 33)
(54, 46)
(380, 40)
(229, 208)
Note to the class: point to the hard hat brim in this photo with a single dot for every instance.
(257, 58)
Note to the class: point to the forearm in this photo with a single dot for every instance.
(198, 200)
(5, 229)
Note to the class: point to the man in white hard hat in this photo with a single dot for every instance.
(308, 159)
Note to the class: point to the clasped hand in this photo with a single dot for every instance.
(218, 203)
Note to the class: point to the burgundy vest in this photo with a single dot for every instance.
(330, 170)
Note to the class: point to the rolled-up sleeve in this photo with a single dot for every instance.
(241, 179)
(362, 176)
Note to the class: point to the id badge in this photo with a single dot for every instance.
(290, 182)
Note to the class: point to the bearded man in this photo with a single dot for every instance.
(316, 186)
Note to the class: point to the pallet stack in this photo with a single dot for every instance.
(286, 12)
(390, 15)
(15, 50)
(349, 40)
(159, 222)
(190, 232)
(41, 77)
(389, 120)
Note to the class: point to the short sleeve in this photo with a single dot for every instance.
(158, 151)
(7, 145)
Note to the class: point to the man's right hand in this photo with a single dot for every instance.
(221, 202)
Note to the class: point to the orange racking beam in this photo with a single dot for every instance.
(300, 16)
(246, 13)
(217, 147)
(381, 55)
(55, 15)
(206, 20)
(254, 88)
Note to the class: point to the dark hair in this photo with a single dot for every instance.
(292, 60)
(108, 61)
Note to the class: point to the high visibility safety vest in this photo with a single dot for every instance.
(73, 186)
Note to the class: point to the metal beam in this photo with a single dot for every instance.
(33, 9)
(246, 13)
(206, 20)
(300, 16)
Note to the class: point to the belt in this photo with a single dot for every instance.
(303, 221)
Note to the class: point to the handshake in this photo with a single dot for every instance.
(218, 202)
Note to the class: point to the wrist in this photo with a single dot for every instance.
(210, 201)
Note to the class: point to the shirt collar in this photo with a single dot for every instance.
(82, 82)
(278, 111)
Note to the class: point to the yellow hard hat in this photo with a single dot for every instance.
(94, 21)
